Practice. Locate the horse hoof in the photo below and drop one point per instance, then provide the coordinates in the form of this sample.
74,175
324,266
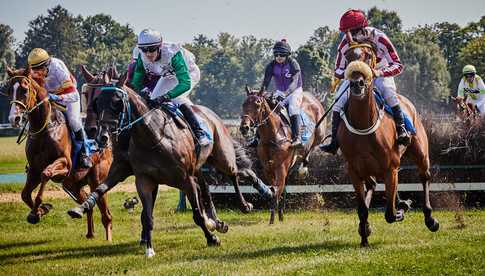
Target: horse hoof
302,172
210,224
89,236
247,208
46,207
143,242
215,241
222,227
364,243
149,252
76,212
404,205
432,224
33,218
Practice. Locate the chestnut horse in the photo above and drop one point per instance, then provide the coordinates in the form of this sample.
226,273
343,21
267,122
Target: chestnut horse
368,141
274,148
162,152
48,150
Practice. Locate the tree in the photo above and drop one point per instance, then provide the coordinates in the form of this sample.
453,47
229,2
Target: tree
7,55
59,33
474,53
386,21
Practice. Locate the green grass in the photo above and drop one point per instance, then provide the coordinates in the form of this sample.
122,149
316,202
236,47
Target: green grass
308,242
12,156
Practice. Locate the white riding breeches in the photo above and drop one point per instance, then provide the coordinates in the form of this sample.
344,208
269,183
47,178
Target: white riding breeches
166,84
479,103
385,86
73,112
293,100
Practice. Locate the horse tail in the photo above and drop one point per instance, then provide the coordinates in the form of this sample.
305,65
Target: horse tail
243,161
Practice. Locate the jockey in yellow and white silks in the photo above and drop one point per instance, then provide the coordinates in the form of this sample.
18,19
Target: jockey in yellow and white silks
472,88
177,75
354,23
61,85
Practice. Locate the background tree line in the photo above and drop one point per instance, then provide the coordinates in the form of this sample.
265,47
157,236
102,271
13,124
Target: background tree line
433,55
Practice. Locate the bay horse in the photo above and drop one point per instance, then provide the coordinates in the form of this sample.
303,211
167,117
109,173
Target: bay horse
161,152
466,112
274,147
368,141
48,151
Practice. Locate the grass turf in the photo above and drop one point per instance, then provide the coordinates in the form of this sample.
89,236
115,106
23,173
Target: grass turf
308,242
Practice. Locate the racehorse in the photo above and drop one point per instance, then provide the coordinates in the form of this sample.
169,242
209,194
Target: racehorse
162,151
466,112
48,150
368,141
274,148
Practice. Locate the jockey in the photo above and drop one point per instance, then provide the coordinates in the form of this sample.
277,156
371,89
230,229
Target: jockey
177,75
61,86
472,84
354,24
288,82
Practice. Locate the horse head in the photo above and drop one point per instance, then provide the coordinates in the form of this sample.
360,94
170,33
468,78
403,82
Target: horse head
111,107
24,97
364,52
359,75
252,113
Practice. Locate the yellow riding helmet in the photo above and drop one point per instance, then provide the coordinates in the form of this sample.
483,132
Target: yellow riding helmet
469,69
38,57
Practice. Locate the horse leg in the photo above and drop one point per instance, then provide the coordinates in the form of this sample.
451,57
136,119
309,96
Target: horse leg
422,162
391,181
280,179
210,210
246,207
32,182
362,208
118,172
265,191
106,217
192,194
370,185
145,187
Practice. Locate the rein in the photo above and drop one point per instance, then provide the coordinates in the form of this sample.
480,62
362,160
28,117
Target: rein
126,114
31,98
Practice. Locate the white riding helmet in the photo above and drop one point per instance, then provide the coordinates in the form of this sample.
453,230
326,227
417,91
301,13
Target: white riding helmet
149,37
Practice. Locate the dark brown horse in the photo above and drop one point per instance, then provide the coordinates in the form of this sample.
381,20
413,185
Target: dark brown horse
274,148
368,143
48,150
160,151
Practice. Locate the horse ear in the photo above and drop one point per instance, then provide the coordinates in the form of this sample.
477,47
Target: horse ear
106,78
86,74
122,80
248,90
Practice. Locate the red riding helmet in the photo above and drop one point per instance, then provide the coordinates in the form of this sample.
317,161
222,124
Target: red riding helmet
353,19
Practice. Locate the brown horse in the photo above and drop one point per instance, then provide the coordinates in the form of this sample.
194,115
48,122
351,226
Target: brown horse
160,151
466,112
48,151
368,143
274,148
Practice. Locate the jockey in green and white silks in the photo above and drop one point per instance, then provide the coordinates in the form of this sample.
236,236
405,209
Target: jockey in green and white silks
177,75
472,85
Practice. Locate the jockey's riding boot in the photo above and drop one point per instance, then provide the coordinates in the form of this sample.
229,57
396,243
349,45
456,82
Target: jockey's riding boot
84,160
295,131
194,125
402,134
333,146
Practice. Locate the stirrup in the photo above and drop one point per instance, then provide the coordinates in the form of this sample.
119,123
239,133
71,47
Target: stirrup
403,137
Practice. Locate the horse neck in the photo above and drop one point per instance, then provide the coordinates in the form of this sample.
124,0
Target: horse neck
39,116
144,130
362,114
269,129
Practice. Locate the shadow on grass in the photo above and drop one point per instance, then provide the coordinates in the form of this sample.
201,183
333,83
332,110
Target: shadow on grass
333,246
15,244
57,253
